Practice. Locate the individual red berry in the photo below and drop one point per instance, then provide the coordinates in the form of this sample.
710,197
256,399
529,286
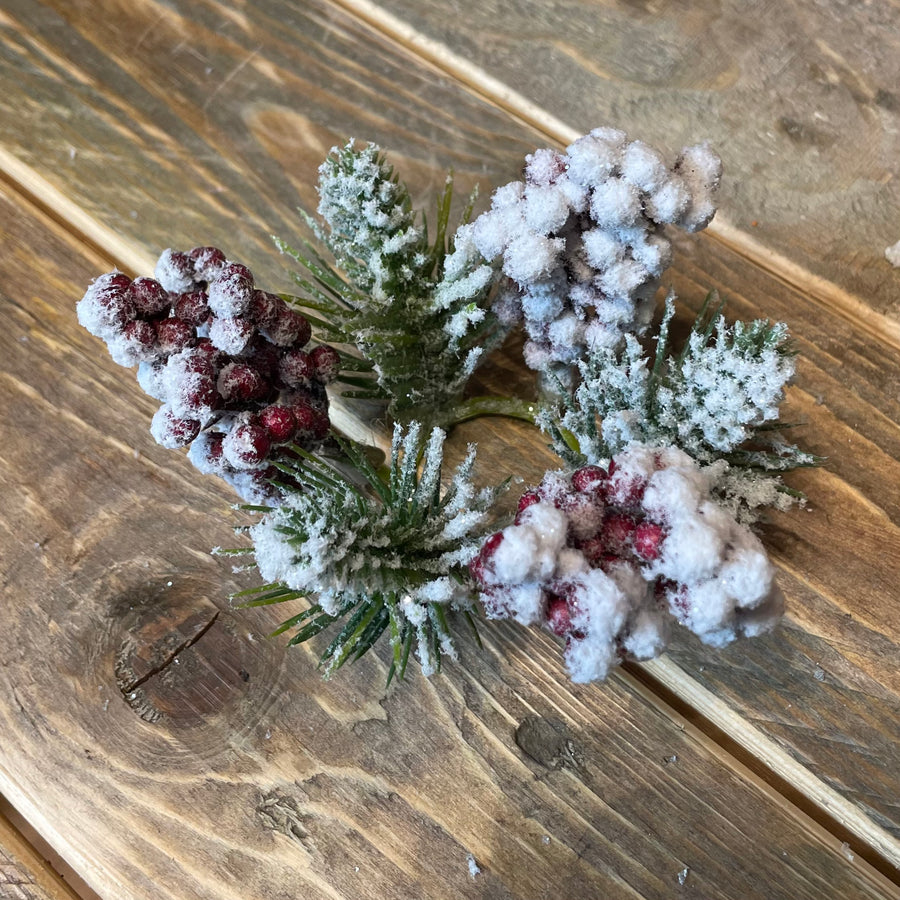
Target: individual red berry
264,357
305,417
485,555
296,368
241,382
192,307
205,348
265,309
173,431
626,490
116,282
279,423
230,291
529,498
107,306
589,479
199,397
190,381
246,446
140,335
616,533
288,329
174,335
327,362
559,619
646,540
206,453
208,261
175,271
199,360
150,298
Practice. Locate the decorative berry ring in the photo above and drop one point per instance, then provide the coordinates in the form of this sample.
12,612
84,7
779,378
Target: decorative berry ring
668,458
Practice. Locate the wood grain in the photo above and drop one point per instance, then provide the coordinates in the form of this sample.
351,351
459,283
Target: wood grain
800,99
167,749
122,117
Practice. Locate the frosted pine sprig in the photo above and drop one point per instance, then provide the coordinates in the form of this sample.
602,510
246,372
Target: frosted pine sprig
717,399
387,292
378,551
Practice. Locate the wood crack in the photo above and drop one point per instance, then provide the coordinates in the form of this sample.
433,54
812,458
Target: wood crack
129,687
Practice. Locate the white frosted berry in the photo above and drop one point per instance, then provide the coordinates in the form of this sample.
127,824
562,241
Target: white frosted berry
615,203
175,271
546,208
230,293
531,256
172,431
231,335
592,160
669,202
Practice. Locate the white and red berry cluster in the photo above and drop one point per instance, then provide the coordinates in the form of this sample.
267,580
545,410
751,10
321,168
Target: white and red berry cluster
228,362
581,240
608,557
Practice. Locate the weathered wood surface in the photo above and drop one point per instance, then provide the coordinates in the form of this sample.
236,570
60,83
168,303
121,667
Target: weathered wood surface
167,750
255,136
801,99
192,123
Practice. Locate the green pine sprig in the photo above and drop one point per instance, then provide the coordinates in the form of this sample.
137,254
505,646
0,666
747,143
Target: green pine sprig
717,398
379,551
380,294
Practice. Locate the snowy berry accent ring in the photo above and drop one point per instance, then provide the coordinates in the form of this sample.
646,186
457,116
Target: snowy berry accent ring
668,456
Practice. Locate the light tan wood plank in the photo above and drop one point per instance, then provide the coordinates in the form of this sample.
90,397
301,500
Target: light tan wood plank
254,136
233,770
800,99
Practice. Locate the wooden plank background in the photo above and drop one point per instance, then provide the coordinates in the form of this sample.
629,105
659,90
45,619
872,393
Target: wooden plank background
175,124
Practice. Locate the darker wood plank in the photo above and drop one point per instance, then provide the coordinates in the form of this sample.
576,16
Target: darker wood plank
24,874
234,771
800,99
224,156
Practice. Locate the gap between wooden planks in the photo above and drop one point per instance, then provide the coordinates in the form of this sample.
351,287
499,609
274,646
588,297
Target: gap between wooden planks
25,873
746,750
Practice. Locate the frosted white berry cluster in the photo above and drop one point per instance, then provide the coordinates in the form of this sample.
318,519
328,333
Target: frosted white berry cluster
581,240
608,557
227,361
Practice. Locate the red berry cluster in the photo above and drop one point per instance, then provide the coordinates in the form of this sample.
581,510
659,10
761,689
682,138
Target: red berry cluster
607,557
227,360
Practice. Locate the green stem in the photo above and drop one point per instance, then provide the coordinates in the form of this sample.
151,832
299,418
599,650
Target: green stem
476,407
